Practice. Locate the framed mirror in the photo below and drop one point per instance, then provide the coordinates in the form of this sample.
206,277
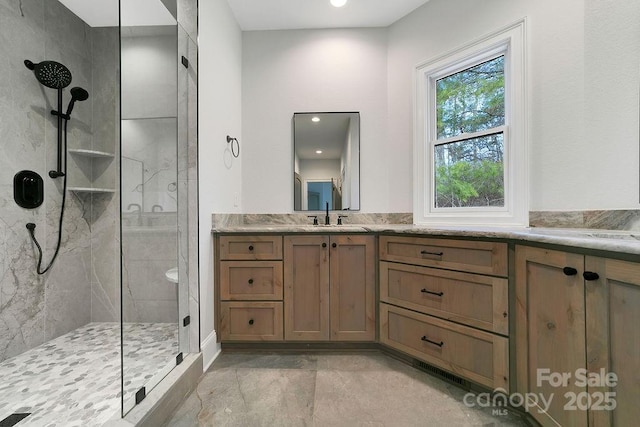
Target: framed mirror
326,161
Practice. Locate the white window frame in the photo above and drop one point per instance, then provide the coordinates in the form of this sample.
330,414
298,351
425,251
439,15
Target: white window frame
510,42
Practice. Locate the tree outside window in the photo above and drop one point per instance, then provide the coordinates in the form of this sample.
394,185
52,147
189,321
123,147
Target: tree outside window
468,153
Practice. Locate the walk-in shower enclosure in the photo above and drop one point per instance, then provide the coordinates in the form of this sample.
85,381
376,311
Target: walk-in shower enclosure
118,309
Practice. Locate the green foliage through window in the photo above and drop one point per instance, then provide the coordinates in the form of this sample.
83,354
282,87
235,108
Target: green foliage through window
470,172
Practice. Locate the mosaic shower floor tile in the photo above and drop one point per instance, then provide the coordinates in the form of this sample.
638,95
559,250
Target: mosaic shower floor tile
75,379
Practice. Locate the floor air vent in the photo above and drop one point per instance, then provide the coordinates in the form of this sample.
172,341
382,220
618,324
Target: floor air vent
454,379
13,419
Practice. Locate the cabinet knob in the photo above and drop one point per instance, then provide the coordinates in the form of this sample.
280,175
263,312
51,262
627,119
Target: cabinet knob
324,245
551,326
251,281
569,271
590,276
250,247
251,321
334,245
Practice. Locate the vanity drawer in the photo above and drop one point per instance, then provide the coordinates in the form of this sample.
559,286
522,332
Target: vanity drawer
251,321
463,255
251,280
472,299
479,356
250,247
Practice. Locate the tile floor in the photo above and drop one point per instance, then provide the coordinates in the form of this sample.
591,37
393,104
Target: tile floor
74,380
326,389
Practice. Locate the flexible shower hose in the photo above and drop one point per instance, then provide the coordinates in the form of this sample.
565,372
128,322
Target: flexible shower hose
31,226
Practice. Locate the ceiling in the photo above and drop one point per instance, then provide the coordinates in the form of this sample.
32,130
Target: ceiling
104,13
329,135
301,14
254,14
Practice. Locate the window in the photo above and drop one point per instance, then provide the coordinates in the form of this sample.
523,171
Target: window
470,146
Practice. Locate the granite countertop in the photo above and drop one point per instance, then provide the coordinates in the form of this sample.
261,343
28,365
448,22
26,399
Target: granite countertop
604,240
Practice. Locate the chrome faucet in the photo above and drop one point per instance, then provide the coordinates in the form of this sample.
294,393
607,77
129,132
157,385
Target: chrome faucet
134,205
139,211
326,218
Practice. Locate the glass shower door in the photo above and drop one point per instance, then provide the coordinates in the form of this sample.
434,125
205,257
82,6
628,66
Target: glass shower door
149,183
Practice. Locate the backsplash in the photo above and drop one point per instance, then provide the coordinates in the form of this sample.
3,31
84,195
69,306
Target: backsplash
594,219
230,220
604,219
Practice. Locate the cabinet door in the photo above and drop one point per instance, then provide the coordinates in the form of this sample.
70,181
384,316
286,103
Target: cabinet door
352,292
613,338
306,288
550,329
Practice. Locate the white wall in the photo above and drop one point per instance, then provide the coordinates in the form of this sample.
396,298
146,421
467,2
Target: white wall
584,73
320,169
219,115
284,72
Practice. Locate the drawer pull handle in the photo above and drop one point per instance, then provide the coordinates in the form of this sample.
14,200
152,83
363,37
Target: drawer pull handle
439,294
431,253
251,281
251,321
590,275
439,344
569,271
250,247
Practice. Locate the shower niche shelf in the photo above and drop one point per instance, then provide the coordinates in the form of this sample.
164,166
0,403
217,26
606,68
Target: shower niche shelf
90,157
91,153
91,190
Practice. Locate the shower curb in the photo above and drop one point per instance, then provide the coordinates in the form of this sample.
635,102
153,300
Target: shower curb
161,402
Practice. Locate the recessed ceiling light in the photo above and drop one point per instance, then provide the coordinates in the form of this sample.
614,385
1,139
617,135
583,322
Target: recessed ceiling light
315,119
338,3
318,151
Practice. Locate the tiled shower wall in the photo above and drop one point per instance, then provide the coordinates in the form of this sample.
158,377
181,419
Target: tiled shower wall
82,285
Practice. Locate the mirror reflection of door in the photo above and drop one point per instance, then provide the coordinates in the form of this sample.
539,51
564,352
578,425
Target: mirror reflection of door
326,149
318,195
297,192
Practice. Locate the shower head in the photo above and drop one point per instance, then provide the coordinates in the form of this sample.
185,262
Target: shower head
77,94
50,73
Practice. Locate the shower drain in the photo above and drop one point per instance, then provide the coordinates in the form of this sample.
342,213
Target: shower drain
13,419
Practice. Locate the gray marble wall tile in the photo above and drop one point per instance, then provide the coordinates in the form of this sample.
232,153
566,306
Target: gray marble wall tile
148,296
105,208
188,17
22,125
36,308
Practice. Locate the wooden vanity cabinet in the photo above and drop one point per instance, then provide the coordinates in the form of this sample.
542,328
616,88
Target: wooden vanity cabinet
578,312
329,288
613,336
445,302
250,288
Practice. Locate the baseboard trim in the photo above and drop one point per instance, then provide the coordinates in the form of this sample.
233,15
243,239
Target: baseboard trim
210,350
